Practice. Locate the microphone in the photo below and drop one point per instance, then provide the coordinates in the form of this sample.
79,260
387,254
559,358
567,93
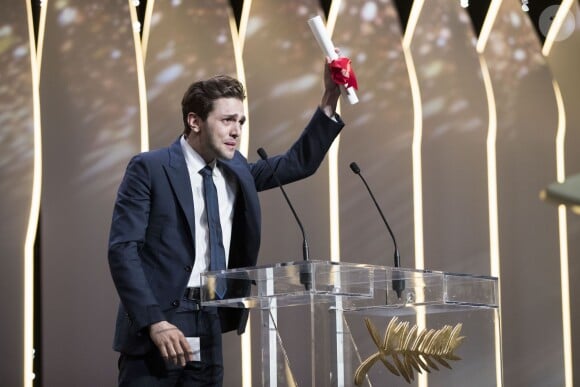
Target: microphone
398,284
305,273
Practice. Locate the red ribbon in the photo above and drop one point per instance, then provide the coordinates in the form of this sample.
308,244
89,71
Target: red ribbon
342,73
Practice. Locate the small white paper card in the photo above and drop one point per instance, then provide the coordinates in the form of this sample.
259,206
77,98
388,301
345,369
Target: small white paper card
195,347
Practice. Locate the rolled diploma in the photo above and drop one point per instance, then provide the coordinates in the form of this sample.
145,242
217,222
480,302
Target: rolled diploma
327,47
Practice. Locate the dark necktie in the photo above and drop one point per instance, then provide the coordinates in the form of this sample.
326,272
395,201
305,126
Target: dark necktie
217,253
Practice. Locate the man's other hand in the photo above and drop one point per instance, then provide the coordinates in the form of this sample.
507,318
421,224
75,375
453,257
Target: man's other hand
171,343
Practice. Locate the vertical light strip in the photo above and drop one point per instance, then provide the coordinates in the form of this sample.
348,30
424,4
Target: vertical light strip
417,136
333,196
35,57
412,22
139,63
560,134
554,30
238,39
244,24
565,283
146,28
494,256
488,23
416,155
333,16
417,183
246,349
334,217
333,191
272,316
563,231
40,42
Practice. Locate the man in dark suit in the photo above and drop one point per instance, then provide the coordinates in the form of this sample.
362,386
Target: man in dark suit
163,234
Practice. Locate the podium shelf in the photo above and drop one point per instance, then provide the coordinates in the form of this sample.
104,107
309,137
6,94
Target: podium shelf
350,287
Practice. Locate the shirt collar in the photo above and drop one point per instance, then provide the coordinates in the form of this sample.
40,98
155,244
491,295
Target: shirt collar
193,158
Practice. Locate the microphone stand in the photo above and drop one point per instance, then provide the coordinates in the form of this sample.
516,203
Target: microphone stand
398,283
305,271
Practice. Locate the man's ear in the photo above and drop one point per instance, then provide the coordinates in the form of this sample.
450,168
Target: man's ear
194,122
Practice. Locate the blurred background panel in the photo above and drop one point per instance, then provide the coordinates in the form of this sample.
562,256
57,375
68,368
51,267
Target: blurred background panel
90,120
453,148
564,62
188,41
527,120
454,166
283,67
378,138
16,176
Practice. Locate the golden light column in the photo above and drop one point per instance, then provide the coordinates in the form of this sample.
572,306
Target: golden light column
553,32
488,23
140,49
495,265
494,255
563,240
35,62
416,155
238,39
333,191
557,23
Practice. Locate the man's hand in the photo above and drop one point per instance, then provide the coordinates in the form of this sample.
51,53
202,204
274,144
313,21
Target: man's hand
331,90
171,343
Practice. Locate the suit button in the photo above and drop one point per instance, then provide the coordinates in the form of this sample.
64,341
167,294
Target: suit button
188,268
175,303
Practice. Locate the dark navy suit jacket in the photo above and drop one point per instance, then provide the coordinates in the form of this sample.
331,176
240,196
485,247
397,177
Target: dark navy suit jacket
151,244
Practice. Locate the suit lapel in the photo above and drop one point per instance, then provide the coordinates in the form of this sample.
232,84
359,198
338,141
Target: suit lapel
244,180
178,176
246,239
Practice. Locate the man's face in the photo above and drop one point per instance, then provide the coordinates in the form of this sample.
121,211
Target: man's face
220,132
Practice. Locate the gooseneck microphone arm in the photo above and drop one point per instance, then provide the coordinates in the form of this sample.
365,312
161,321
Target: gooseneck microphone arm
305,253
398,284
397,256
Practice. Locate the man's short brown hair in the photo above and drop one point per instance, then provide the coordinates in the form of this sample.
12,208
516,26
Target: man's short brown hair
200,95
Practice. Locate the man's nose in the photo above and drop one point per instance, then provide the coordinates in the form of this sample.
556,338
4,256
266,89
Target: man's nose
237,129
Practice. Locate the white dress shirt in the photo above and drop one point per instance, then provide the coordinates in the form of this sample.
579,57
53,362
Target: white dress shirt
226,187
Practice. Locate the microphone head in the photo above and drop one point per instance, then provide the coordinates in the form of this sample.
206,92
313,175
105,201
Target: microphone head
355,167
262,153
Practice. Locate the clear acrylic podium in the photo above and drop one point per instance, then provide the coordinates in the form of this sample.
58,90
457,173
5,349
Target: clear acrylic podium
312,331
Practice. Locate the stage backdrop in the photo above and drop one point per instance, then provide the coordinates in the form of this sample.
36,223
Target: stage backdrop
457,145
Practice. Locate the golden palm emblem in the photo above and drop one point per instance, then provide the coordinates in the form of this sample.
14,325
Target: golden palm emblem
410,349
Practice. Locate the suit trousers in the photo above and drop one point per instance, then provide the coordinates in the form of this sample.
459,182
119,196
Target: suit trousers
151,370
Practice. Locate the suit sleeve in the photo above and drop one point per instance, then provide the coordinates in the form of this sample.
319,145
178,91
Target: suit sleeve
304,156
127,236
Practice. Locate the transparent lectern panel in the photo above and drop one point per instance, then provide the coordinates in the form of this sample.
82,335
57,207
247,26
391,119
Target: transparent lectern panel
315,319
361,286
289,283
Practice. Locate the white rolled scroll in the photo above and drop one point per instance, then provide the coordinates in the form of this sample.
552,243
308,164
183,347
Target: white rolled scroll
319,31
